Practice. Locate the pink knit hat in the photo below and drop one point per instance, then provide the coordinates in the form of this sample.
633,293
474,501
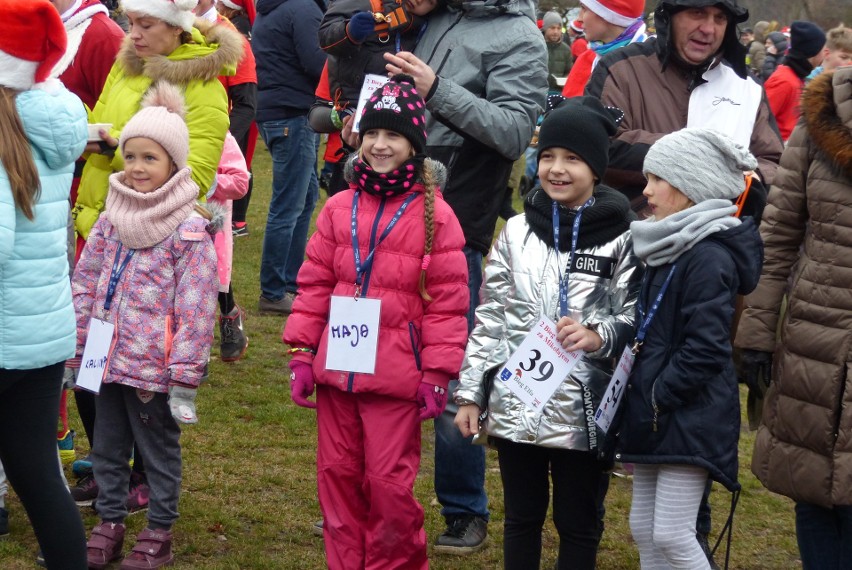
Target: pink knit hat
619,12
175,12
161,119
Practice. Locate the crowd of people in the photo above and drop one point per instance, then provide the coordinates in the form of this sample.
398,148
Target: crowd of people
686,227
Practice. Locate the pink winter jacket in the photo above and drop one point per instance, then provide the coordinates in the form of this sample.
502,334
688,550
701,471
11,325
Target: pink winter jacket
164,307
418,340
232,180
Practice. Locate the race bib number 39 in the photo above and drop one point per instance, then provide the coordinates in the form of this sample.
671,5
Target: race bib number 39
538,367
353,334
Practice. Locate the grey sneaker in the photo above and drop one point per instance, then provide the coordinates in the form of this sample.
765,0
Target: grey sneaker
465,534
316,528
283,306
234,339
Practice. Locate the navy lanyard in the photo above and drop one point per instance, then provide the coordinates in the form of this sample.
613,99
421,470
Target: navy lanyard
398,40
575,235
115,275
362,268
646,322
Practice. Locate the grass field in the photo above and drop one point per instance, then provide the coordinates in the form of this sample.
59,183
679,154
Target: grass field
249,490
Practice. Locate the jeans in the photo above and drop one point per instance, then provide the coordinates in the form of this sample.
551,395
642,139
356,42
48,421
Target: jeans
527,471
460,466
29,406
531,170
295,190
824,536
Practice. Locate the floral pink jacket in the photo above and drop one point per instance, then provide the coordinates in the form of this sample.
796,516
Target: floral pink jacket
164,307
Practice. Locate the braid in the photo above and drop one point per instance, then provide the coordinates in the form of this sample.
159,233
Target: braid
429,217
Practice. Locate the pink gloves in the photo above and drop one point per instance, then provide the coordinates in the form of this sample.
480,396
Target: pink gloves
432,400
301,383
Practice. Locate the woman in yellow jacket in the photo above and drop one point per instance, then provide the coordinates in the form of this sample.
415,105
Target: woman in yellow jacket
167,43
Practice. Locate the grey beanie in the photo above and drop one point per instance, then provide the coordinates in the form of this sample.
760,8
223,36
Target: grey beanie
702,163
551,19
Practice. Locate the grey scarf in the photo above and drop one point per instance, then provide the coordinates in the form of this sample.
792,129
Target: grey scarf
659,243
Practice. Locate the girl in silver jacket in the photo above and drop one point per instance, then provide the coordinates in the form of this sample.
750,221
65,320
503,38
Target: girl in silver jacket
528,276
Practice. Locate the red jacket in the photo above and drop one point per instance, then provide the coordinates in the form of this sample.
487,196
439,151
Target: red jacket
93,42
783,90
418,340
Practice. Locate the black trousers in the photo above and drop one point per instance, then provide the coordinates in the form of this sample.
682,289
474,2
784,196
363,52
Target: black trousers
29,406
526,471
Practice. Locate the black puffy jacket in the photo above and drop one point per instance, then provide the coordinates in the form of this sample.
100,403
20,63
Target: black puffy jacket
684,368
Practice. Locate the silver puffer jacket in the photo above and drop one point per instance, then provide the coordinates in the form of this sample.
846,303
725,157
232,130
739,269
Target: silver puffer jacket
521,283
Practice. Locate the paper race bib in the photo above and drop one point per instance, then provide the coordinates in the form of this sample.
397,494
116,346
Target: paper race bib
538,367
95,361
371,83
615,390
353,334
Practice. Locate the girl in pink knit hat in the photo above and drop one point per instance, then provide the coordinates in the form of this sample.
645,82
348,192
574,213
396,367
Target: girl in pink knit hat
147,279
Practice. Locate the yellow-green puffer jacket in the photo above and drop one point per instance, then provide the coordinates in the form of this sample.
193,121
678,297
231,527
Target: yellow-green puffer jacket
195,67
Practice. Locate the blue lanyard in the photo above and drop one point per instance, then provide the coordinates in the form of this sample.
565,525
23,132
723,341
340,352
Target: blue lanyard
115,275
646,322
398,40
575,235
362,268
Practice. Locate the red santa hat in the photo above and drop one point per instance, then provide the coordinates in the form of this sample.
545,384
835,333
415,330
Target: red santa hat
177,13
577,26
246,5
618,12
32,41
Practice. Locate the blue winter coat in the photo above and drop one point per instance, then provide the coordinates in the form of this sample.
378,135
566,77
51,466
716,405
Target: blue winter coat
285,43
37,326
684,366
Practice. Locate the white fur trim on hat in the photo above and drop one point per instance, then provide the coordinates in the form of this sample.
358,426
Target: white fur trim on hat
231,5
618,12
17,73
175,12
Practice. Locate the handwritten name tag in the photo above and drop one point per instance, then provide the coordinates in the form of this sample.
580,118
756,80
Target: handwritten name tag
615,390
538,367
372,82
353,334
95,361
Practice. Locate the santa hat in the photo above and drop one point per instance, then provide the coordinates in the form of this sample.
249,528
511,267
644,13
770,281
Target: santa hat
175,12
32,41
246,5
577,26
618,12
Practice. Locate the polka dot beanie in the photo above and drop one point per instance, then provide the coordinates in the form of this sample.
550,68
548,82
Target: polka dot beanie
396,106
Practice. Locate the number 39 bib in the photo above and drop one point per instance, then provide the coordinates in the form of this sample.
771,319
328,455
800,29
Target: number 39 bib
538,367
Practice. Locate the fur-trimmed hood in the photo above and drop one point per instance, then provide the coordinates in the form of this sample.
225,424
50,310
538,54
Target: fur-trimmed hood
439,171
215,50
827,112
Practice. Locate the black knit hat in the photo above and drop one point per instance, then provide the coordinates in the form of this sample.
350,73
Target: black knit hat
806,39
583,126
396,106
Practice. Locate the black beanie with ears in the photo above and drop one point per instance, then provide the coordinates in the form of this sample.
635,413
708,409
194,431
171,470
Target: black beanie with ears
584,126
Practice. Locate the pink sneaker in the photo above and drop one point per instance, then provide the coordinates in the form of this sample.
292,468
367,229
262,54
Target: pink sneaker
137,496
104,545
153,550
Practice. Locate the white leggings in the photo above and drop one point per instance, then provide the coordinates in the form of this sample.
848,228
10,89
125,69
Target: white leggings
662,517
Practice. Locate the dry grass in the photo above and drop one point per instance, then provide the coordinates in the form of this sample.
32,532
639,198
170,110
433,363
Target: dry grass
249,492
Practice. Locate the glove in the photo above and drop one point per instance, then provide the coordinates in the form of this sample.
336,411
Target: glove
301,383
182,404
431,400
361,26
756,370
69,378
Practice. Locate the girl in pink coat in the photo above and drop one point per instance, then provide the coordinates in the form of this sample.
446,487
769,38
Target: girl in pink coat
232,183
379,326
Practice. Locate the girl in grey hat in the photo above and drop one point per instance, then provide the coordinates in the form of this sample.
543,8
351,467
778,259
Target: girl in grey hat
681,417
